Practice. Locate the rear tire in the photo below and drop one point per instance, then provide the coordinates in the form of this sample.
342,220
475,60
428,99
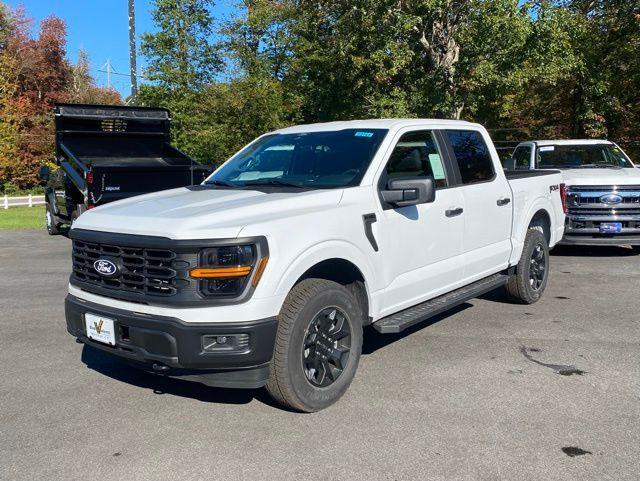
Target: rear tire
529,281
53,227
317,347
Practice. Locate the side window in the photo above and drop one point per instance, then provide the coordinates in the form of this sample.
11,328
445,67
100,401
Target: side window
416,155
472,156
522,156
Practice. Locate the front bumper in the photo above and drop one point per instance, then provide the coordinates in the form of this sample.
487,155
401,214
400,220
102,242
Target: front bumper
584,229
600,240
171,347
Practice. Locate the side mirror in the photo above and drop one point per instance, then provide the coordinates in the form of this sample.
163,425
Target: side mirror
410,191
509,163
44,173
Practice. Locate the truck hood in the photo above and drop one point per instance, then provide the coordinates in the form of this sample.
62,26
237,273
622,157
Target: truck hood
202,213
601,176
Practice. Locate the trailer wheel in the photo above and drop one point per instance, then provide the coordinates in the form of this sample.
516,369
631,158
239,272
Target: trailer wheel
529,281
317,347
53,226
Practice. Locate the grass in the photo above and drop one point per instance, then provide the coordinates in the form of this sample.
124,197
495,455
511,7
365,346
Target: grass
22,218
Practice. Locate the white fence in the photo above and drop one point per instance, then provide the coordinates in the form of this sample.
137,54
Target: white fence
28,200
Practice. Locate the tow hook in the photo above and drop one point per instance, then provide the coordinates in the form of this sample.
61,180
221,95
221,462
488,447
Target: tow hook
160,368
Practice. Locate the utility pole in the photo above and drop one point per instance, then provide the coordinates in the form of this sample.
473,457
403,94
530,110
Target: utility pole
132,51
107,69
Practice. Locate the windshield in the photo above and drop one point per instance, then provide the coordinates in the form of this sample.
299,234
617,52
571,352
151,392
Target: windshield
306,160
581,156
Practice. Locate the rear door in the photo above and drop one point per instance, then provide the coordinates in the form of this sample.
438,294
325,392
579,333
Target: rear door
488,203
422,244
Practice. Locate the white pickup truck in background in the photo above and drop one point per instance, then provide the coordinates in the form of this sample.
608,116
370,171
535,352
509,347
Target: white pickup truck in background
266,273
603,188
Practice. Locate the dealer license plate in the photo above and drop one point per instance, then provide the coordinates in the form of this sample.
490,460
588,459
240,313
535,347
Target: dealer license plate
610,227
101,329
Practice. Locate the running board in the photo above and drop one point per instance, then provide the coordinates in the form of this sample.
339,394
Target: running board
399,321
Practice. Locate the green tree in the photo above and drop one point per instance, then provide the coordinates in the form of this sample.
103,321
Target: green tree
180,54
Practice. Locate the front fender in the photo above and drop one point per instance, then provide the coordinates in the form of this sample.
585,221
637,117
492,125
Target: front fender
332,249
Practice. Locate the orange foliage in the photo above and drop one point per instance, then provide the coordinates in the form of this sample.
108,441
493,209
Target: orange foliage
34,75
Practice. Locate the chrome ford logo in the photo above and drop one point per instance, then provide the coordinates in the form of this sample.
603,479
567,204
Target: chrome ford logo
105,267
611,199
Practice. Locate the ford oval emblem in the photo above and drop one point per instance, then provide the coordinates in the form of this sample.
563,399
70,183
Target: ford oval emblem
611,199
105,267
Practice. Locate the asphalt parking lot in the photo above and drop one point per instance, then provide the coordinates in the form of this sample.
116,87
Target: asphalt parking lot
490,391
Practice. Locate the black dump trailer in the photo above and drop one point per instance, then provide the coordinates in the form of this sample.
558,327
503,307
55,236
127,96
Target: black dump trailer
108,153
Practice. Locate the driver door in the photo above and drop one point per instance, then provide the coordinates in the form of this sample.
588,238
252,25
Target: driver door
421,244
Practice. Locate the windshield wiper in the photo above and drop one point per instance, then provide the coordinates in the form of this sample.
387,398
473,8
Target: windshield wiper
222,183
599,166
277,182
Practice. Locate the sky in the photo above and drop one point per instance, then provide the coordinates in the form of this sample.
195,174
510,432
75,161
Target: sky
101,28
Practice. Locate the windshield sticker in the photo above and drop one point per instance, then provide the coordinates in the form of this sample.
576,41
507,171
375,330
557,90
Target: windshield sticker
436,167
547,148
368,135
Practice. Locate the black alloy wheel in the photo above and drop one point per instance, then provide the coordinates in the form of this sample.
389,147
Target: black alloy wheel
537,267
327,346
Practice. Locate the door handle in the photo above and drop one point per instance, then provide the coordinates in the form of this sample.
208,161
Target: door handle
453,212
503,201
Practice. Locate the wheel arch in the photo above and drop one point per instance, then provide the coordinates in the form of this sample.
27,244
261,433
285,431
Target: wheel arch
346,266
539,215
542,221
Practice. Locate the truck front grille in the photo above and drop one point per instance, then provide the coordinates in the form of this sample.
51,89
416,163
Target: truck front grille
139,270
587,210
590,197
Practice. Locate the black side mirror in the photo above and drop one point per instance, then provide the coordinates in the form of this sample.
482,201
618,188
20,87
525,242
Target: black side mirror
509,163
44,173
410,191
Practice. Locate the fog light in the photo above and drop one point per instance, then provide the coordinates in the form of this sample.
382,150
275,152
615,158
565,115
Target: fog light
225,342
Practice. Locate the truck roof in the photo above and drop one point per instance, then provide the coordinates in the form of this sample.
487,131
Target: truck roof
372,124
571,142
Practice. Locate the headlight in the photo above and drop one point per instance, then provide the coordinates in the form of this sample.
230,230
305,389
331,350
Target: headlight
225,271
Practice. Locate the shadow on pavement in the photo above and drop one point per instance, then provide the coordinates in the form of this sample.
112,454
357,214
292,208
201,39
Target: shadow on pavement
121,371
374,341
593,251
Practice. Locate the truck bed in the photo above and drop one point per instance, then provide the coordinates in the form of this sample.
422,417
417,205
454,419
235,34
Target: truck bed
521,174
531,190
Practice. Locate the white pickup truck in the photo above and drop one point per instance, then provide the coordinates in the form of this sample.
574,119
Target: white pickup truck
266,273
603,188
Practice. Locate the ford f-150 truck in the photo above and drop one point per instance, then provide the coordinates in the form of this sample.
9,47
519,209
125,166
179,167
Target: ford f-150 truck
603,188
266,273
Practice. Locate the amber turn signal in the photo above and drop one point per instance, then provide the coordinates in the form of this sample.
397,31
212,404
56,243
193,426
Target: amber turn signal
261,265
220,272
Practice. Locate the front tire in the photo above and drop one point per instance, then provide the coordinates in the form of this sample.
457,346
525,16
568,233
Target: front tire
53,227
529,281
318,346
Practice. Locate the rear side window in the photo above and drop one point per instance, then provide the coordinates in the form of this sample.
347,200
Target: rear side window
472,156
522,156
416,155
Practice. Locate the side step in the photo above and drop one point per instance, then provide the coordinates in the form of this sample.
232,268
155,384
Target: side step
399,321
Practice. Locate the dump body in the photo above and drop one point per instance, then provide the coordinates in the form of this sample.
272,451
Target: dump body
108,153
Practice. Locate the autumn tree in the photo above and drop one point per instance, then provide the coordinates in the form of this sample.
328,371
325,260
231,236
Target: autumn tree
34,75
